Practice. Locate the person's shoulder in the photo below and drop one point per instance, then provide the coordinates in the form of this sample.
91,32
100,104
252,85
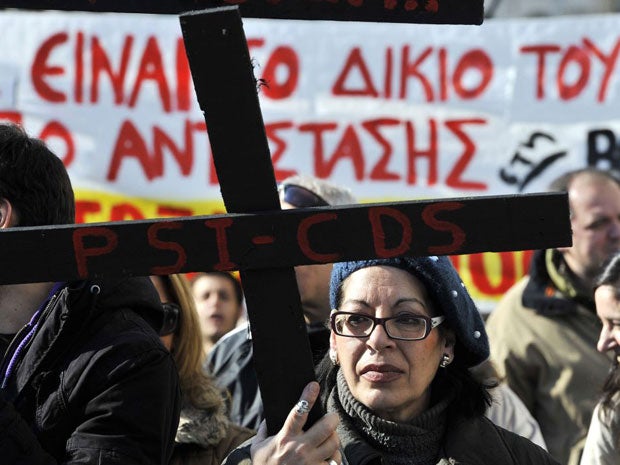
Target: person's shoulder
479,440
229,345
133,300
509,411
236,435
513,295
600,444
234,337
118,331
232,352
241,455
607,420
523,449
510,305
122,345
124,327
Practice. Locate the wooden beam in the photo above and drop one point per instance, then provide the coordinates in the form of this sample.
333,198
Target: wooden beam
396,11
280,239
227,94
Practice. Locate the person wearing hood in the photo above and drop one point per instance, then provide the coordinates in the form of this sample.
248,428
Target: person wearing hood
85,378
396,382
205,434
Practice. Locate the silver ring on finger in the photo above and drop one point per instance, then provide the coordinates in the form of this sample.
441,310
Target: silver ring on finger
302,407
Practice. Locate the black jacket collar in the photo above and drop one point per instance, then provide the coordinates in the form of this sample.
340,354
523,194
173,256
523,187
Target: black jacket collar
543,295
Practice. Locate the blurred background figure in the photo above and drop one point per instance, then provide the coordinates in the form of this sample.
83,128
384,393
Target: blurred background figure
205,434
603,441
543,331
231,360
313,280
219,301
507,409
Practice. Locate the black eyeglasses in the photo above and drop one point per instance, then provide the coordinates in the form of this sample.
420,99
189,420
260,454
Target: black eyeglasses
404,326
170,318
300,197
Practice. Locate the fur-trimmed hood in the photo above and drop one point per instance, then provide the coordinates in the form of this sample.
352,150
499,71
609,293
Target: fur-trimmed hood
205,428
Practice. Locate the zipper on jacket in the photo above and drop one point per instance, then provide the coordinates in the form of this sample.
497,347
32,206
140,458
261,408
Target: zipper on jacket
24,336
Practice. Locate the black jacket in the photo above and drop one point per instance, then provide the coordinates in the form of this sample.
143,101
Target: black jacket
94,384
475,441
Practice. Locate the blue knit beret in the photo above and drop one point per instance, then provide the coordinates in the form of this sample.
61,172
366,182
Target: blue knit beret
445,289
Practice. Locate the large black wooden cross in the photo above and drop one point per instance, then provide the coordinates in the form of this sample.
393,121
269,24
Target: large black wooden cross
401,11
257,238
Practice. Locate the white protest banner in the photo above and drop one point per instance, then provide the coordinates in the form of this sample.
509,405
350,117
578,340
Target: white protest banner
393,111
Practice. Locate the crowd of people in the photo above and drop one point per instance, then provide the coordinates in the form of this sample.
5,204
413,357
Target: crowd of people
160,370
543,332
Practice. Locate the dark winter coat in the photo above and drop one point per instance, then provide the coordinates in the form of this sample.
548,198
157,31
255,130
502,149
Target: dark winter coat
474,441
94,385
467,442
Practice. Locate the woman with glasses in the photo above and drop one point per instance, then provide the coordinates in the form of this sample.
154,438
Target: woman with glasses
396,382
205,435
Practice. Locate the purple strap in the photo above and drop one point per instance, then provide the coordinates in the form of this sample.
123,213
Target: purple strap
33,324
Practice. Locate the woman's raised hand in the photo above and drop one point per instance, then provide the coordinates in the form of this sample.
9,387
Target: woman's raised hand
294,446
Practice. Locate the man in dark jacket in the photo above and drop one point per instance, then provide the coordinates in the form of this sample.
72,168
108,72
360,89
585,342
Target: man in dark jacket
84,378
231,359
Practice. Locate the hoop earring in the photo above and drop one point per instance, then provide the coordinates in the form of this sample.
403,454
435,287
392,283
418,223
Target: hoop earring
445,361
333,356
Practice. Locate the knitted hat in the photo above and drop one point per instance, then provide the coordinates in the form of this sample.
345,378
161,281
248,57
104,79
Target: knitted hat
445,289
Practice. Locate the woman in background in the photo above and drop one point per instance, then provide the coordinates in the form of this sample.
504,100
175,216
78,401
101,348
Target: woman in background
603,441
205,434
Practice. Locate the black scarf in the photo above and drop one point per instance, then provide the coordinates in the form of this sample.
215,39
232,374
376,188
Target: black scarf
417,442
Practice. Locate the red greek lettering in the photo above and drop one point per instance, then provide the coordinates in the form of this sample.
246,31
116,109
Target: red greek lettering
41,69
